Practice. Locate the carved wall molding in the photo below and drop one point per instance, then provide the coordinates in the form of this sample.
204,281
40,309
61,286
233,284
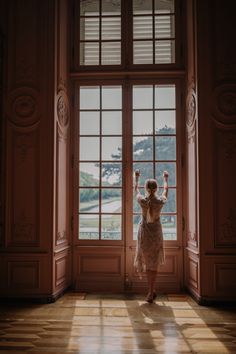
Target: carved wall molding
191,109
192,238
61,236
63,111
224,105
23,106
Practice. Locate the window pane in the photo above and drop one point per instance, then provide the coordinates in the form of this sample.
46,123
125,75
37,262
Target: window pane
111,174
169,227
111,97
111,227
89,8
89,28
142,122
140,7
146,171
142,148
111,148
111,7
142,27
143,52
136,220
165,96
111,28
165,122
165,147
164,52
88,227
111,200
164,6
89,174
164,27
142,97
89,149
89,123
89,53
89,98
170,205
166,166
111,53
89,200
112,123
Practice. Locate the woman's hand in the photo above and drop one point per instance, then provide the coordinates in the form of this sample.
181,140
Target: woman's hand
165,175
137,173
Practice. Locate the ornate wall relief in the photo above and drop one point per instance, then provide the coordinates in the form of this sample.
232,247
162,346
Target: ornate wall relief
63,112
191,107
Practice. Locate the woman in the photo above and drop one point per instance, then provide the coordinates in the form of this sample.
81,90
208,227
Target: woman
149,250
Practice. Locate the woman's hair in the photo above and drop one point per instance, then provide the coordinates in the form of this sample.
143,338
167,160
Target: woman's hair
151,186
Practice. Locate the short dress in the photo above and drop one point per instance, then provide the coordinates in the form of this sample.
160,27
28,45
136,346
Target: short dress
149,248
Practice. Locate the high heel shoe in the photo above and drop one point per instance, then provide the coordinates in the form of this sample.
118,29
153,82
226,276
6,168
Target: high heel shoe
149,298
154,295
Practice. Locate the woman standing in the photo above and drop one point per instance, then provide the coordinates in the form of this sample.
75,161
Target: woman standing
149,250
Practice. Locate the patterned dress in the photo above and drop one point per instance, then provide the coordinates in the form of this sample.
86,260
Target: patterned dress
149,248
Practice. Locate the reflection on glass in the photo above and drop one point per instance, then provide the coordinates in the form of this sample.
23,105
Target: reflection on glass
166,166
89,174
170,205
88,8
111,7
136,220
111,97
164,6
169,227
111,200
165,122
111,174
165,96
146,171
140,7
89,97
112,123
142,148
165,147
164,27
88,200
89,53
143,52
142,122
88,227
111,227
111,28
89,28
164,52
142,97
142,27
89,123
111,53
111,148
89,149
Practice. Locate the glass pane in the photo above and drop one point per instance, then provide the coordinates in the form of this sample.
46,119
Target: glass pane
88,227
111,174
89,174
165,147
89,149
142,97
89,123
141,7
111,97
111,53
111,148
169,227
89,97
111,200
166,166
142,148
111,227
89,8
112,123
136,220
143,52
165,96
164,52
111,7
111,28
170,205
89,200
89,53
89,28
165,122
164,6
142,122
146,171
142,27
164,27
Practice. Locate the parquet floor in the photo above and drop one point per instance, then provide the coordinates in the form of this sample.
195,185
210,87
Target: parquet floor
117,324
